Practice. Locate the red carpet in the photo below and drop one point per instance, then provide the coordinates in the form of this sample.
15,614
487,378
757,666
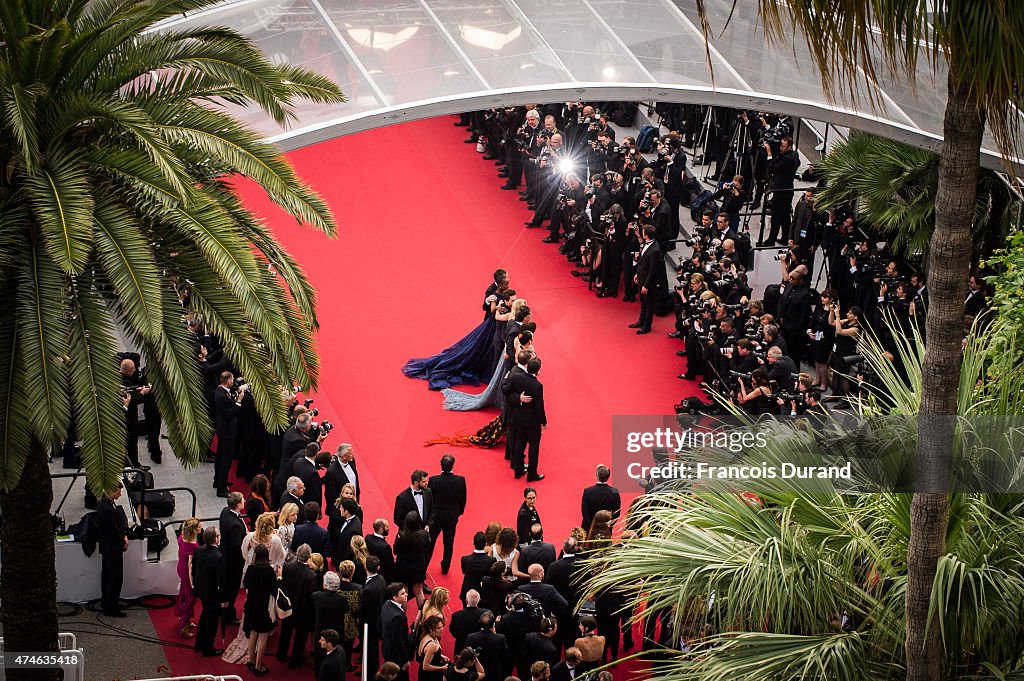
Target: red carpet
423,225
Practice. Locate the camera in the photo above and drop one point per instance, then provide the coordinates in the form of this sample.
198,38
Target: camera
780,255
307,402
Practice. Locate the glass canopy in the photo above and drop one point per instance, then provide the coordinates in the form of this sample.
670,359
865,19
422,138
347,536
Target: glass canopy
399,60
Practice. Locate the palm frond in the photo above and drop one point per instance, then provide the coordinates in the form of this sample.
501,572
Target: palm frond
15,432
60,198
19,108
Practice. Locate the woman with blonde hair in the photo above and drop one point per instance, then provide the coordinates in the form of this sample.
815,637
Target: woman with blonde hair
348,491
184,607
286,520
435,605
360,553
318,565
265,535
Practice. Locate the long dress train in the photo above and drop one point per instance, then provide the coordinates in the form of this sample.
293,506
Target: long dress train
469,361
456,400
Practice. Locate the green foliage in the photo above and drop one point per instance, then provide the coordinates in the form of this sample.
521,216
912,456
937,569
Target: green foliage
785,569
1007,299
119,163
894,187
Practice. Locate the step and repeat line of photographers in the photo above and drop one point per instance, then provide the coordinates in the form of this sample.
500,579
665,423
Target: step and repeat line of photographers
597,193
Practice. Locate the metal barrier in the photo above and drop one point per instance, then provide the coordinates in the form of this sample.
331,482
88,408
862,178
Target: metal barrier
66,643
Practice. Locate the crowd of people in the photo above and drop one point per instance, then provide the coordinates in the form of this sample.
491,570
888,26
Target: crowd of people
342,593
617,214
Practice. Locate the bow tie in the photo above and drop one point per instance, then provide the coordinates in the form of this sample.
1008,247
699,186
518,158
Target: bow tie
418,493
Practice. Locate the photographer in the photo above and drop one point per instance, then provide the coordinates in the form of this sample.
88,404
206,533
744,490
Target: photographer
807,227
743,360
613,221
548,177
569,201
770,332
847,334
730,197
820,337
782,167
671,168
660,216
135,392
794,315
758,400
227,402
781,368
630,256
466,667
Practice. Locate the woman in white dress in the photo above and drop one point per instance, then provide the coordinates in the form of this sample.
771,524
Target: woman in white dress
286,524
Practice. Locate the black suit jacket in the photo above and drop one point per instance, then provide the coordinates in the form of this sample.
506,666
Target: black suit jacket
318,538
599,497
532,414
232,532
373,601
380,548
289,498
647,268
475,567
560,574
539,552
512,329
560,672
515,626
335,479
548,597
341,539
493,651
783,167
112,526
975,304
225,414
404,503
661,218
449,492
286,471
795,309
394,629
208,576
299,582
464,622
333,666
329,610
310,476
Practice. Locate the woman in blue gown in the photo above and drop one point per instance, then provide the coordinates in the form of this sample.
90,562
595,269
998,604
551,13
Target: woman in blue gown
456,400
471,360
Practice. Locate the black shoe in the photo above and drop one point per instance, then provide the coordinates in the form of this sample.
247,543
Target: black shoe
674,334
535,478
222,493
680,353
548,239
140,466
576,273
444,570
762,244
641,332
523,197
629,299
156,458
502,174
115,613
636,325
688,376
213,653
520,473
470,140
602,294
508,187
460,124
585,277
489,157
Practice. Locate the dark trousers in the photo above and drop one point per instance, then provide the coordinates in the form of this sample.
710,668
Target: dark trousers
371,652
446,526
206,627
523,437
300,630
232,580
111,579
646,309
782,214
796,343
225,457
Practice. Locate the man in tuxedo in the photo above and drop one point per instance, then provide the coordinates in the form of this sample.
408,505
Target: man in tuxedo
464,622
794,315
560,575
226,404
515,625
372,602
295,439
341,471
512,329
344,525
299,582
525,418
294,492
377,545
475,567
975,302
417,498
569,668
449,491
537,551
782,167
521,360
210,584
661,218
307,469
112,542
286,472
232,532
310,532
600,497
553,603
329,608
650,278
394,628
492,646
333,666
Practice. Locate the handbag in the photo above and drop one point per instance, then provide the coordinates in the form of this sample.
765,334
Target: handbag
282,605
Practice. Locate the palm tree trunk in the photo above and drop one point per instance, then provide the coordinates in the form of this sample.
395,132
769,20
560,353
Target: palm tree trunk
949,260
28,576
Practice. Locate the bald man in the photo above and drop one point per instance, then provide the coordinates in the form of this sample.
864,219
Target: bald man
553,603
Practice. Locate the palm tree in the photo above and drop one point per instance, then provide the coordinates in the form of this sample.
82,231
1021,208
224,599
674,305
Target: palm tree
119,159
894,186
809,582
979,44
